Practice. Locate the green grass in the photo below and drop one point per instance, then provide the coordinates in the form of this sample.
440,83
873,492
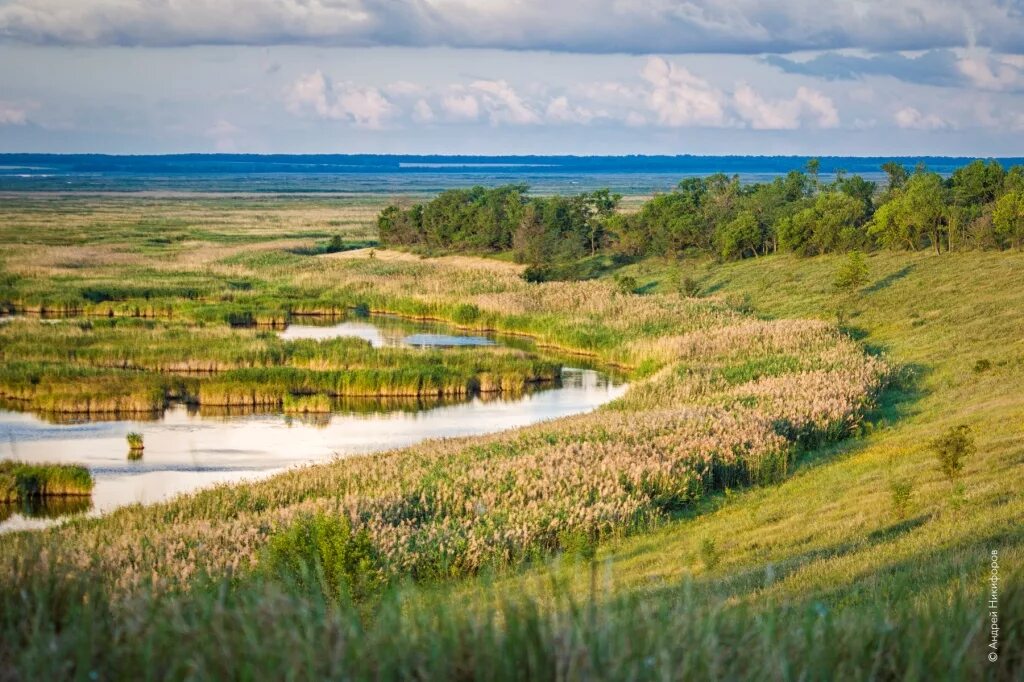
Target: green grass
20,481
818,573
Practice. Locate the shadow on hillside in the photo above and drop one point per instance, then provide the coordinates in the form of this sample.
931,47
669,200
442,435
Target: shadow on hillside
897,574
890,279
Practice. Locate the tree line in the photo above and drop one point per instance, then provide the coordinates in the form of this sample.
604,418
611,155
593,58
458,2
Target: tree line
980,206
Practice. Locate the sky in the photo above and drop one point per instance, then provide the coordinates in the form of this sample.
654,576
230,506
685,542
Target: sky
816,77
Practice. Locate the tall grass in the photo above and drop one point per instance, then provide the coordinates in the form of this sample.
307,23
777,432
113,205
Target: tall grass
133,366
20,481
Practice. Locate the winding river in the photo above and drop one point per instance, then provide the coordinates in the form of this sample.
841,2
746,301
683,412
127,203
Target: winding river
188,449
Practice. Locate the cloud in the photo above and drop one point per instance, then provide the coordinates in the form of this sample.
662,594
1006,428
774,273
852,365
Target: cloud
785,114
945,68
503,103
679,98
461,107
364,107
12,114
987,72
422,112
559,110
590,26
935,67
909,117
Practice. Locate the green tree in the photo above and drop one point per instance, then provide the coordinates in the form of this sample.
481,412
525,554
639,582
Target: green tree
832,223
915,216
1008,219
740,236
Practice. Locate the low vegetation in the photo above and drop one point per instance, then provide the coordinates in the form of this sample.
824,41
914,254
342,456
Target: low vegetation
131,366
767,486
20,482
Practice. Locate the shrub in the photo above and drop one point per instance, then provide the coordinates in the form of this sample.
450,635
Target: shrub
852,273
362,309
982,365
320,551
626,283
535,274
952,448
689,287
901,490
709,553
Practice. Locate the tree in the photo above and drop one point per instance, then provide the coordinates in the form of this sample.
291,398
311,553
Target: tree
813,168
914,216
1008,219
740,235
831,224
600,205
977,183
896,174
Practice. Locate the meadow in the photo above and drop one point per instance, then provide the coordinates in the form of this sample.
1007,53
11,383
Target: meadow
740,498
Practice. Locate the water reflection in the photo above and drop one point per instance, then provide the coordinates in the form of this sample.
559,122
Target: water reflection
187,449
386,331
40,512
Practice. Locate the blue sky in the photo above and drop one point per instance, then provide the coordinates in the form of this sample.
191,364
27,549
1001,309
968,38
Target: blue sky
513,76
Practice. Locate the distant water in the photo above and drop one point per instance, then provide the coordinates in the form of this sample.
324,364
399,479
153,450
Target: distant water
389,174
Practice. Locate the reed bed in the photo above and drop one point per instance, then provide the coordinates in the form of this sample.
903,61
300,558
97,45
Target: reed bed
20,482
714,417
138,366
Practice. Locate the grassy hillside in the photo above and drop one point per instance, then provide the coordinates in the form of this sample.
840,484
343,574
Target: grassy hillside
862,562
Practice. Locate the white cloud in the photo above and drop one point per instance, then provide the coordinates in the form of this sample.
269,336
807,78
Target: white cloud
364,107
909,117
503,103
422,112
991,73
679,98
461,107
559,110
785,114
11,114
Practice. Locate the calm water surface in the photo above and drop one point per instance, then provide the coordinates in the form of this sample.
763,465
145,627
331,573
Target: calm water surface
187,450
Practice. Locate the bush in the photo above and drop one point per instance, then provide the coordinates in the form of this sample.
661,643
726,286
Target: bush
361,310
853,273
952,448
709,553
335,245
535,274
689,287
626,283
901,490
322,552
